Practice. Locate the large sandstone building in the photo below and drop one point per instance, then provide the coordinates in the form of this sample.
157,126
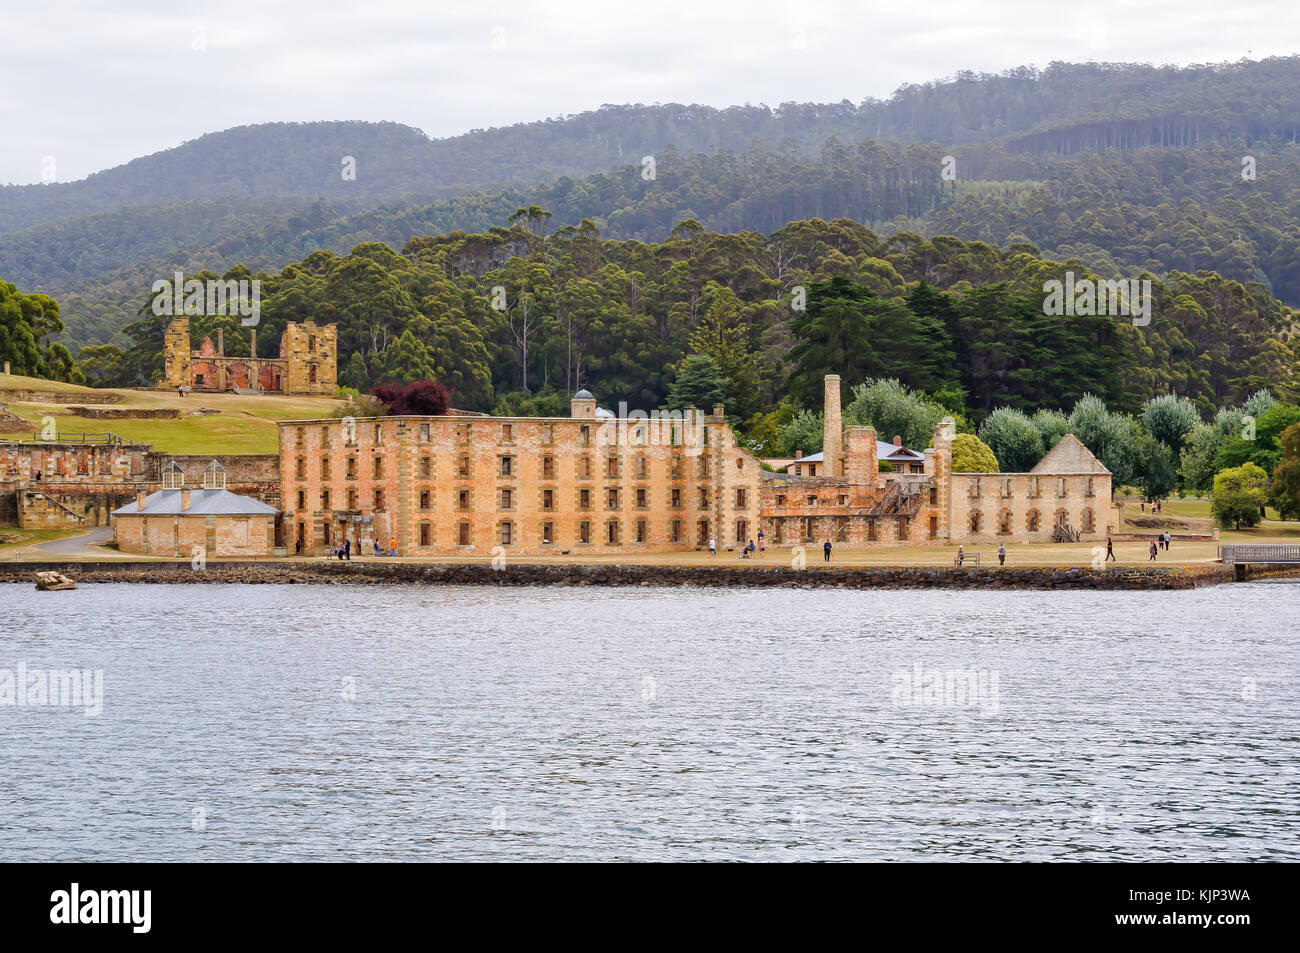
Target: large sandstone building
579,484
593,483
307,362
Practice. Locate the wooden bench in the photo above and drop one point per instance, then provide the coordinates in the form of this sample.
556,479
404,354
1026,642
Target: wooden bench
966,558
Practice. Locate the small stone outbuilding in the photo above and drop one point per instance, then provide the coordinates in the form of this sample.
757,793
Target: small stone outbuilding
184,523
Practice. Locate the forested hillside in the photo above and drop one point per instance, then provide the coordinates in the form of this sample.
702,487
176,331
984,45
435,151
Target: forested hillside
1125,167
620,317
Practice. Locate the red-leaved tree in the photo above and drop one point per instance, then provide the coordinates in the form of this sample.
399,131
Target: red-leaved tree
418,397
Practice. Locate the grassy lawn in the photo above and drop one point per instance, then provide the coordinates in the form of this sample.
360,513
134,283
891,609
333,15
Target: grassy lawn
243,424
29,536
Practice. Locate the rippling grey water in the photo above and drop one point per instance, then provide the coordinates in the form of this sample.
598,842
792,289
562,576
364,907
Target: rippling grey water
338,723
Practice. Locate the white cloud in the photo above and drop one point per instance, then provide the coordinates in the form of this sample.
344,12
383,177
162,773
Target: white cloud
96,86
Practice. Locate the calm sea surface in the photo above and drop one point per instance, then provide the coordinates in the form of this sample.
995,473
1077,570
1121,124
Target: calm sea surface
307,723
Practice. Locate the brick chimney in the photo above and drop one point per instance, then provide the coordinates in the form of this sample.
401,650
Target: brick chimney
252,342
833,431
798,454
185,499
719,410
898,441
140,495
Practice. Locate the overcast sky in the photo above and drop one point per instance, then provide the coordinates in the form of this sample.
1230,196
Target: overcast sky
96,84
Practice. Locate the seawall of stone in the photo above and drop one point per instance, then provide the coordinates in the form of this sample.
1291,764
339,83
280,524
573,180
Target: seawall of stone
522,574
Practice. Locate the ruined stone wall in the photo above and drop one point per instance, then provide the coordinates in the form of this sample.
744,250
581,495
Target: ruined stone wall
126,413
310,352
176,354
469,485
860,464
809,511
93,502
39,510
27,396
72,462
1024,507
240,467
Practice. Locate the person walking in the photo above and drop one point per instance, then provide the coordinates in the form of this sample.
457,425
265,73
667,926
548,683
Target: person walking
358,546
961,555
1110,550
760,542
376,542
1169,538
392,546
347,548
1151,557
1002,554
826,551
713,546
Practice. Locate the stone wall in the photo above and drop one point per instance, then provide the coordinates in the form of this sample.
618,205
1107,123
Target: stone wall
71,462
126,413
310,352
94,479
243,468
395,572
1024,507
38,509
307,363
181,536
27,396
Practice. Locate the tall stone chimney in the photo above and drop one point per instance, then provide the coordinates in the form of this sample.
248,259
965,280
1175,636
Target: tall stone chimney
252,344
185,499
833,434
140,495
221,343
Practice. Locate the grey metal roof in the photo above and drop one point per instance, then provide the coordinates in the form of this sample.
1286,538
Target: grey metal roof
885,449
811,458
583,394
202,503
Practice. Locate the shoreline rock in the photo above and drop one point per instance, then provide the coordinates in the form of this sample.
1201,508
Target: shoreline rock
50,581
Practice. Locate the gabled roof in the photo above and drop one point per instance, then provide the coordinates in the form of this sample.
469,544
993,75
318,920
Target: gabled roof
202,503
811,458
890,451
1069,456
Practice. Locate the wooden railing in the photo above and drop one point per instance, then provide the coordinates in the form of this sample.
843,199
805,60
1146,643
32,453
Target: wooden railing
102,436
1259,553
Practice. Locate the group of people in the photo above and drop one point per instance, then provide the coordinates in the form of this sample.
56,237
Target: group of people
183,390
344,549
747,550
1161,542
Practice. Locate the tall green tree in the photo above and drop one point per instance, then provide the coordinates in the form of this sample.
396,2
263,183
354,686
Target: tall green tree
1239,496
